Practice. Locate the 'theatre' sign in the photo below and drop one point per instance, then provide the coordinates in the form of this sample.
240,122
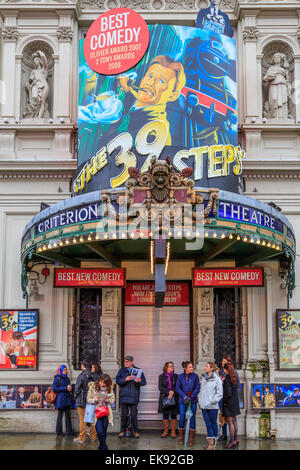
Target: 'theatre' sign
228,277
64,277
116,41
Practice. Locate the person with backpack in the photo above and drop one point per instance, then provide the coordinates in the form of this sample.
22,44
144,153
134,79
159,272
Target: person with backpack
80,396
63,402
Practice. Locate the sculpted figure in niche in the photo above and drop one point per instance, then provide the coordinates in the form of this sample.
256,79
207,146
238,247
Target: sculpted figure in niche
205,334
108,342
37,88
277,77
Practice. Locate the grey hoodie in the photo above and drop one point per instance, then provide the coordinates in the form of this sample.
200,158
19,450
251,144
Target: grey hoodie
211,391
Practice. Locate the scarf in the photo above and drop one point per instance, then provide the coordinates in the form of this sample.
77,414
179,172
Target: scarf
169,375
60,370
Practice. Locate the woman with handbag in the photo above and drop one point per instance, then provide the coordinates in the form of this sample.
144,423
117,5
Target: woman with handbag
101,394
64,402
168,398
187,387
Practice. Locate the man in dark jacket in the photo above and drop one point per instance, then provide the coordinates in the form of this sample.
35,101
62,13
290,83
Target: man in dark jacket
80,395
129,395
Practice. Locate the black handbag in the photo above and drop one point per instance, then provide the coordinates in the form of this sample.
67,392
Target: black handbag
167,402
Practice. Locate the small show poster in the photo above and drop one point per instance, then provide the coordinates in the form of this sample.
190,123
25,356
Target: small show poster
288,322
263,396
24,397
18,339
268,396
287,395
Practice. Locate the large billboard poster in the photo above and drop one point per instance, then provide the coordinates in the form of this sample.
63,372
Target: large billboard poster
180,100
18,339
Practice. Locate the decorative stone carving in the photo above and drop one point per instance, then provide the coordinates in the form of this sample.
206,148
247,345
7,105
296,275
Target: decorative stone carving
37,88
205,341
10,33
206,301
279,88
108,337
154,5
250,33
109,300
64,33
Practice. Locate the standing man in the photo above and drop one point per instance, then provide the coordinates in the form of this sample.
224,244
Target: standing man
129,394
80,396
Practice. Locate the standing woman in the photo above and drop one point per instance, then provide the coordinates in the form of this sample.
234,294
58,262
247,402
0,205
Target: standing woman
211,392
96,371
64,402
101,393
167,387
231,406
187,387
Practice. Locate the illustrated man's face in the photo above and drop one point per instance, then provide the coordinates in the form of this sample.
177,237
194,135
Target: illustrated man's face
17,341
157,86
257,393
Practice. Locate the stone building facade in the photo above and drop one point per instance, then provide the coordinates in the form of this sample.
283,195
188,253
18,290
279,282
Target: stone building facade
38,158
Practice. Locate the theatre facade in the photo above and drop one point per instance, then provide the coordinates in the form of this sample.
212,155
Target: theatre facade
150,199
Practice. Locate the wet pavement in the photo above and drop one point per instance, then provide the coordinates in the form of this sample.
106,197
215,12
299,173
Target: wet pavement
147,441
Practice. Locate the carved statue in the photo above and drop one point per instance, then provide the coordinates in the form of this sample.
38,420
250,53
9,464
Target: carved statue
205,301
205,343
109,301
108,342
37,88
277,77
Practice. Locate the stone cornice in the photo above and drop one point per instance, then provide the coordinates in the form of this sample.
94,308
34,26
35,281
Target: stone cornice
26,170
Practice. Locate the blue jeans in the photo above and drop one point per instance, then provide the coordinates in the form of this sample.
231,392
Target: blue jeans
211,421
182,410
101,429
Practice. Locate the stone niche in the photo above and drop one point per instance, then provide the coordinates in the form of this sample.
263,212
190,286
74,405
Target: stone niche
37,76
277,80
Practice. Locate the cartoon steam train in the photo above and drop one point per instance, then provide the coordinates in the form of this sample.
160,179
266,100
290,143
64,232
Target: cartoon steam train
209,104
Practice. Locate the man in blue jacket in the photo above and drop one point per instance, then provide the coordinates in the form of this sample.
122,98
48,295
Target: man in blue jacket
129,394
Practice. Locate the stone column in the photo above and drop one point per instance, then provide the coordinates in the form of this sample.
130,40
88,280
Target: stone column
250,34
270,352
10,35
204,348
64,34
205,321
110,331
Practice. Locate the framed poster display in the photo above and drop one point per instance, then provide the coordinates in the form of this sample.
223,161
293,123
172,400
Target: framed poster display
18,339
263,396
288,330
279,396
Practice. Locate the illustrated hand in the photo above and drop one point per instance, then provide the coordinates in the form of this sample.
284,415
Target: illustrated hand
123,83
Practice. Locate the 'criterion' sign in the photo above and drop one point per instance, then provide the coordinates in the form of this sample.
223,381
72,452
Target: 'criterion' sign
116,41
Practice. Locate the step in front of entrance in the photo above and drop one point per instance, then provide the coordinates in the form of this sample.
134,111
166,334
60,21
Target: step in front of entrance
149,424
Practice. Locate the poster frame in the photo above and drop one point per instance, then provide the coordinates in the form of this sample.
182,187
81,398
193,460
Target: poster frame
36,368
278,311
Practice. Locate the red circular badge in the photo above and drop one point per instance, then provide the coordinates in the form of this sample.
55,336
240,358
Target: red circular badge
116,41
